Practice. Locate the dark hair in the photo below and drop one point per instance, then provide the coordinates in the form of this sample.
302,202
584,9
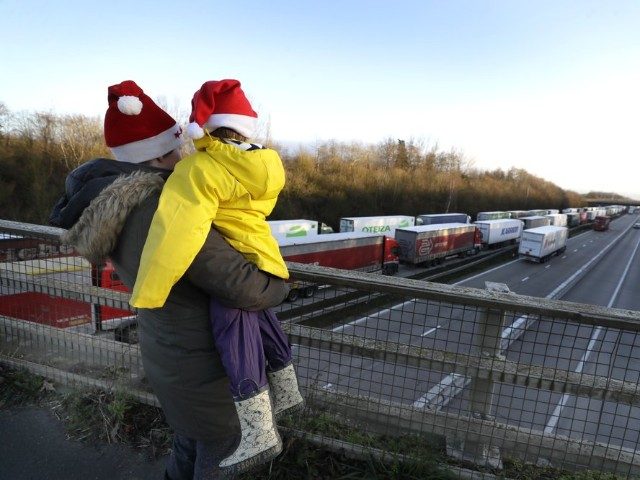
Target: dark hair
224,132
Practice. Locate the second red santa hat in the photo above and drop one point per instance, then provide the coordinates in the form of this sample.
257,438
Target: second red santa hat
221,103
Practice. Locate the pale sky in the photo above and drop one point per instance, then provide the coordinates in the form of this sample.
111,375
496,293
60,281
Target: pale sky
548,86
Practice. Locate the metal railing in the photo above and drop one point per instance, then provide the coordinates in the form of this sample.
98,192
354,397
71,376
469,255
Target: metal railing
487,376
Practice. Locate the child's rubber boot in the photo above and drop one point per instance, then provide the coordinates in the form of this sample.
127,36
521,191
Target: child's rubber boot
284,390
260,442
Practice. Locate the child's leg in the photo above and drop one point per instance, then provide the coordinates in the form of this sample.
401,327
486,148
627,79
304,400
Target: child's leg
274,341
237,337
281,375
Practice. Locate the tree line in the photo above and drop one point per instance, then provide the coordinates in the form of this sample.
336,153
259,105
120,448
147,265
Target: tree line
332,180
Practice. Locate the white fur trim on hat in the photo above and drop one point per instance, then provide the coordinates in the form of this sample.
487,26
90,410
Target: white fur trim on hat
243,124
149,148
194,131
129,105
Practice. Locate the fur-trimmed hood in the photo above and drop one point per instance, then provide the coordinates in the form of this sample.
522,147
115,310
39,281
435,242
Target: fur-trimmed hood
96,232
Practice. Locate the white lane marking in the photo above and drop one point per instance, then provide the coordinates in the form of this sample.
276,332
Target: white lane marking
350,324
488,271
555,416
547,267
377,314
584,245
431,330
442,392
514,331
575,250
524,279
564,257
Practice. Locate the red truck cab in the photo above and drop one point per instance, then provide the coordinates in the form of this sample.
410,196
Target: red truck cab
601,223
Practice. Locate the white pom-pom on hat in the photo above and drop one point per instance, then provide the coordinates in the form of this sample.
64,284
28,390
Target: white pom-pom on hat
194,131
129,105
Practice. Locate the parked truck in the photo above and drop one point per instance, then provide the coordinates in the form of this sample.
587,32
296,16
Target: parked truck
15,247
517,213
347,250
557,219
298,228
384,224
573,219
539,244
500,232
492,216
535,221
583,217
424,245
537,213
435,218
601,223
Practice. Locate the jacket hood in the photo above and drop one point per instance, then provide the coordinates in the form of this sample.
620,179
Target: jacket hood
96,232
258,169
85,182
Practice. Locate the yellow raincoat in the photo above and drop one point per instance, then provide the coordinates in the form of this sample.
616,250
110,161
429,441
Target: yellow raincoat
222,184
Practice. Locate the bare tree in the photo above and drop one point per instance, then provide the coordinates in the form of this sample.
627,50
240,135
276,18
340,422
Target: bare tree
80,139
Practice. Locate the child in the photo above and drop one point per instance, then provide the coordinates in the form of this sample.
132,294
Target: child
234,185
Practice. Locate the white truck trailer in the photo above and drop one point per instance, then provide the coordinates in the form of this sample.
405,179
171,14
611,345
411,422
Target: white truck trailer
557,219
539,244
498,232
492,215
517,213
385,225
299,228
437,218
573,219
535,221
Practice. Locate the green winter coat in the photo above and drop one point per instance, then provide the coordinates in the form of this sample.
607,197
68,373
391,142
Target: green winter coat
178,353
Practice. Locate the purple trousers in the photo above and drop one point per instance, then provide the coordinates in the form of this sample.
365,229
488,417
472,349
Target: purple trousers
249,344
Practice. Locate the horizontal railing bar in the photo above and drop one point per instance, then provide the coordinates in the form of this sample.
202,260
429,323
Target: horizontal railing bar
495,368
67,378
106,349
71,291
559,449
31,230
559,309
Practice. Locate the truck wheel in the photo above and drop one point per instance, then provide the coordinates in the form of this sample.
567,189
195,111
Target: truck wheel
310,291
389,269
294,294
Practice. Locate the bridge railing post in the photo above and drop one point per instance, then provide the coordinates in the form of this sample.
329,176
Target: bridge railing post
487,340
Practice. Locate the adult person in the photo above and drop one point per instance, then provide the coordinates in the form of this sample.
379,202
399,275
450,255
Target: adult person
108,207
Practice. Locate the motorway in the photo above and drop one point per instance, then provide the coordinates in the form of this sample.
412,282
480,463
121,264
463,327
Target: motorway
600,268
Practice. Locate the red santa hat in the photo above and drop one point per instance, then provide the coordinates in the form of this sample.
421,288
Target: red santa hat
221,103
135,128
